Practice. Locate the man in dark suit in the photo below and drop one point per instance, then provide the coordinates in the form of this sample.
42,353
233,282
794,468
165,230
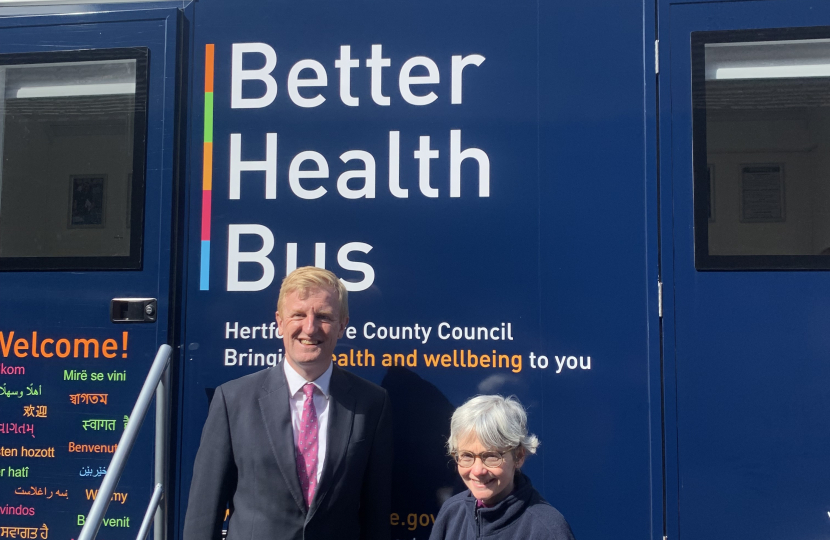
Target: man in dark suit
301,450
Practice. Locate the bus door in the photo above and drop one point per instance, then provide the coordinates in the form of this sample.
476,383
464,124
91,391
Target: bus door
86,190
745,259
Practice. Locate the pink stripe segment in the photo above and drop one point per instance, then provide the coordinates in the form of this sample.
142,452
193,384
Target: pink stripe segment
206,214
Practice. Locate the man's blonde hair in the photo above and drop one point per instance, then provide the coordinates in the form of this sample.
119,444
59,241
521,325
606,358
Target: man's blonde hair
309,277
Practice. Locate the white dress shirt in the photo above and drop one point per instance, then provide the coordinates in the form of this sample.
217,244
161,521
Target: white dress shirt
296,402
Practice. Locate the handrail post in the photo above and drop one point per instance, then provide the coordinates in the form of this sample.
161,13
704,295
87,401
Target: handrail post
162,419
125,445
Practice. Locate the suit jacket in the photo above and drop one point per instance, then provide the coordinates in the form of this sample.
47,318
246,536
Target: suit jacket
246,458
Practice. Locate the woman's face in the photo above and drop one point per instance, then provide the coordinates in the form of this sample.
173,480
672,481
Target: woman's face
489,485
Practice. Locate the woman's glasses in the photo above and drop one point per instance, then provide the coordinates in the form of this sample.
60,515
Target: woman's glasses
490,459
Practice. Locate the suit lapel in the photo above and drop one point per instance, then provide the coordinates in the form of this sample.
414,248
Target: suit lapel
276,415
341,417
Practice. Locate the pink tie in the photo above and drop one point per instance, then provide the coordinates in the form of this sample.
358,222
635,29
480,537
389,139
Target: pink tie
307,446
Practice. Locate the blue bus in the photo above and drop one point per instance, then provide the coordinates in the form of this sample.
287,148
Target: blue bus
620,210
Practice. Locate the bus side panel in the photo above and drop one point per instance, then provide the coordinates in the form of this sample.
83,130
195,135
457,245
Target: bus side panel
484,200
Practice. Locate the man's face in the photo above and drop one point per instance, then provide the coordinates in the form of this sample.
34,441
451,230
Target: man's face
310,324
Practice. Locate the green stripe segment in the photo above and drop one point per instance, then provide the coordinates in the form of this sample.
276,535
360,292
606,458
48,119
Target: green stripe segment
209,117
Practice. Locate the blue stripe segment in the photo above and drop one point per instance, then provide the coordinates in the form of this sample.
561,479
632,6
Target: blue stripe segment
204,271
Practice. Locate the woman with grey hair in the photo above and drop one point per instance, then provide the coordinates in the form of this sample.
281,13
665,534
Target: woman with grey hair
489,442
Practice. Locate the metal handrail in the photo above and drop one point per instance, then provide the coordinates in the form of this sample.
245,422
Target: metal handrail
148,515
157,382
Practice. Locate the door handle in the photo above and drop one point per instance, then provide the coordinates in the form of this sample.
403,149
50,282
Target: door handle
133,310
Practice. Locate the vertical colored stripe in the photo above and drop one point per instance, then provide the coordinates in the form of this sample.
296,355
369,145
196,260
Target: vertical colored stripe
206,215
207,171
204,277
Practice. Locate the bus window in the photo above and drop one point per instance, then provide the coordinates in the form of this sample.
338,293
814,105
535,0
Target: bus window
762,149
72,169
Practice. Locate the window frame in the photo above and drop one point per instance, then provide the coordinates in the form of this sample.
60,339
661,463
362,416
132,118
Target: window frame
701,186
134,260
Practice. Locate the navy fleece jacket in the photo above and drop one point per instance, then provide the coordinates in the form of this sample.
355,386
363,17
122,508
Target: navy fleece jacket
523,514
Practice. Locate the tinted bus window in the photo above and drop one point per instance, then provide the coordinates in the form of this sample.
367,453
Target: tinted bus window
71,177
762,149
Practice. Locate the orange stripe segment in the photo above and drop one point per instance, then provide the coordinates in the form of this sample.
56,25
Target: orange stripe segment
207,167
209,67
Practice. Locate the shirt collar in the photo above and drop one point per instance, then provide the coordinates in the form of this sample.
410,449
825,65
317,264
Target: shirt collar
296,381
